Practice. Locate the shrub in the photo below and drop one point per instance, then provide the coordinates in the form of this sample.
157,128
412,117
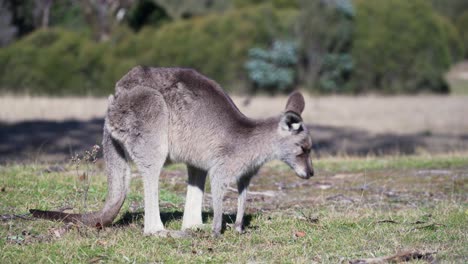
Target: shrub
326,29
462,25
216,45
273,69
59,62
453,37
400,46
335,73
276,3
67,14
452,9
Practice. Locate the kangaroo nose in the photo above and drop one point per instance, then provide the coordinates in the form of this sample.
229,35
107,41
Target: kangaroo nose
311,173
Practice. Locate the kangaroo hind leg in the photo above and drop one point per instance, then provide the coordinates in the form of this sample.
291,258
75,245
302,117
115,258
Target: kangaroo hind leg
141,117
242,186
194,200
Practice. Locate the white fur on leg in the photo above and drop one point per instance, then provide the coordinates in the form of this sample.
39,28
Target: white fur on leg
193,208
152,219
239,225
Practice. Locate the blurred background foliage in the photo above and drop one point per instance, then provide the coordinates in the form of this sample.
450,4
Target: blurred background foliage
72,47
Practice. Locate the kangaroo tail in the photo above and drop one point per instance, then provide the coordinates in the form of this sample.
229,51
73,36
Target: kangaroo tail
118,180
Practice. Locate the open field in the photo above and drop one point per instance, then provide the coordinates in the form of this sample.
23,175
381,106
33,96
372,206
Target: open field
375,114
354,209
52,129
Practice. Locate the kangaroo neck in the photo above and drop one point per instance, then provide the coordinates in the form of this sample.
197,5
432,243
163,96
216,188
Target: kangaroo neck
258,145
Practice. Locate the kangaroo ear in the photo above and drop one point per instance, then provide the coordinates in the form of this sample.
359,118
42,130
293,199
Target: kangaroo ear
292,122
295,103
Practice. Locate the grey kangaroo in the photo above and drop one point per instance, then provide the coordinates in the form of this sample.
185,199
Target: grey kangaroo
177,114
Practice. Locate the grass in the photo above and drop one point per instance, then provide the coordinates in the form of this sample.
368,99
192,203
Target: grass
352,164
457,78
375,207
459,86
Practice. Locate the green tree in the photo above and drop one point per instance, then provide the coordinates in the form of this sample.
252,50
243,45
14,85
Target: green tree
325,31
462,25
273,70
451,9
400,46
7,29
178,9
216,44
146,12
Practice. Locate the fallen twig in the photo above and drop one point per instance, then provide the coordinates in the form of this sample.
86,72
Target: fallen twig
387,221
433,225
398,258
7,217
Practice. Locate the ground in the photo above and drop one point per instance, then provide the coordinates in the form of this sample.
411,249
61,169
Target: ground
353,209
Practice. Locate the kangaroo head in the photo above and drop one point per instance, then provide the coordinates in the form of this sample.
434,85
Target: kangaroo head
295,143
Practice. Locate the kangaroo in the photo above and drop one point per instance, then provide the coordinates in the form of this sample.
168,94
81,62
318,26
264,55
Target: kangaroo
177,114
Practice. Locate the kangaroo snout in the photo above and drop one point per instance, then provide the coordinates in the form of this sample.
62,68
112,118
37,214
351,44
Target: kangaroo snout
305,174
308,174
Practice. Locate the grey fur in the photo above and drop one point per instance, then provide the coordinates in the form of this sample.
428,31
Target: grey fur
179,114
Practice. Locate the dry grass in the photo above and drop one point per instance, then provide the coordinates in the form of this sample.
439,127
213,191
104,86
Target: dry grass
26,108
398,114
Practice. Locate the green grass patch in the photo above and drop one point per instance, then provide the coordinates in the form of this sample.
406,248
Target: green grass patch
351,164
312,229
458,86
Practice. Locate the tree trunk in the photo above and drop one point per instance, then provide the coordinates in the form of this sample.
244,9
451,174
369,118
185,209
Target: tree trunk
46,13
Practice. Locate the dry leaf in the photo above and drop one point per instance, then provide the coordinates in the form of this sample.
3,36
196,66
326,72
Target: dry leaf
83,177
57,233
60,231
300,234
102,242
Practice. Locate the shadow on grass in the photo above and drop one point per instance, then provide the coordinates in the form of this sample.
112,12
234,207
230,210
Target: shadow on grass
57,141
167,217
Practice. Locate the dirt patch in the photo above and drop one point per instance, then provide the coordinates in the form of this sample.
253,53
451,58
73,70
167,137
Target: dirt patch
386,189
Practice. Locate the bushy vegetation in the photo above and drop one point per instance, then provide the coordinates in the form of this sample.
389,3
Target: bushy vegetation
451,9
273,69
344,46
56,61
462,25
52,61
394,52
326,36
216,45
276,3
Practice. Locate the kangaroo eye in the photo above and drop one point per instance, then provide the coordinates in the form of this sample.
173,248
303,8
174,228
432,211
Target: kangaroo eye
305,150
